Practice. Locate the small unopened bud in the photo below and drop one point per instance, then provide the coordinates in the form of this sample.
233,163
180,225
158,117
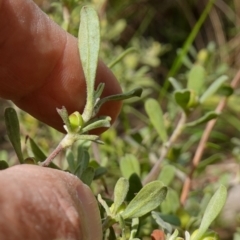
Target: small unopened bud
76,121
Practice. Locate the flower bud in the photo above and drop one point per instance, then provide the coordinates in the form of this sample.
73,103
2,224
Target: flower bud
76,121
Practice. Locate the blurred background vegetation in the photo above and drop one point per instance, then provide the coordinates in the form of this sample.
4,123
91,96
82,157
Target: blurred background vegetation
156,31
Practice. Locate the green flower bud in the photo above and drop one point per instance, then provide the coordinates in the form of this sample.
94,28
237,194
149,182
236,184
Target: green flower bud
193,101
76,121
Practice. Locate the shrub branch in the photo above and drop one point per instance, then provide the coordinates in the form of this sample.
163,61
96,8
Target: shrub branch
202,144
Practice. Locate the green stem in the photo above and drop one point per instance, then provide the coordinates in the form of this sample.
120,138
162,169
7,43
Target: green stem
118,59
108,222
178,61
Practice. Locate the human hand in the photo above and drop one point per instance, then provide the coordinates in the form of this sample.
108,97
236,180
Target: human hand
40,71
39,203
40,68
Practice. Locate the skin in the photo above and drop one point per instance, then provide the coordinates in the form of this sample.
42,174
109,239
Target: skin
40,71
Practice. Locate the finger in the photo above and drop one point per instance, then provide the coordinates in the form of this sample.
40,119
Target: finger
40,68
44,204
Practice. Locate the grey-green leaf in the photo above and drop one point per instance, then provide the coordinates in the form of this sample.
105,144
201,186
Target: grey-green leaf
167,174
120,193
156,117
13,131
129,164
89,45
214,207
102,122
213,88
149,198
164,225
137,92
205,118
64,115
196,78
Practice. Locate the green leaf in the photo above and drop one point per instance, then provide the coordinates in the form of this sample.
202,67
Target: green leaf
176,85
135,185
119,58
186,99
87,176
64,115
213,88
120,193
149,198
71,161
225,91
156,117
137,92
214,207
89,45
167,174
102,122
134,229
129,164
82,161
196,78
171,203
37,152
39,155
3,165
99,172
205,118
170,218
13,131
99,91
164,225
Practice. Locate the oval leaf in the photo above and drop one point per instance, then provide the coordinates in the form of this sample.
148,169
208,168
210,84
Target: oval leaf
89,44
167,174
196,78
129,165
149,198
120,192
156,117
214,207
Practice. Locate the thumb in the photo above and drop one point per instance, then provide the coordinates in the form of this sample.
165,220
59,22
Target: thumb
44,204
40,68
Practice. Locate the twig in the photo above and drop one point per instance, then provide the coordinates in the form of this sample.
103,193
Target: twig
202,144
66,142
153,175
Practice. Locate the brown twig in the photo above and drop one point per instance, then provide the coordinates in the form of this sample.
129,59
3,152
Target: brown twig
153,175
202,144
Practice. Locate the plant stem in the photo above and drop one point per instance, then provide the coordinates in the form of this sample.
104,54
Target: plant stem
66,142
107,223
50,158
202,144
153,175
